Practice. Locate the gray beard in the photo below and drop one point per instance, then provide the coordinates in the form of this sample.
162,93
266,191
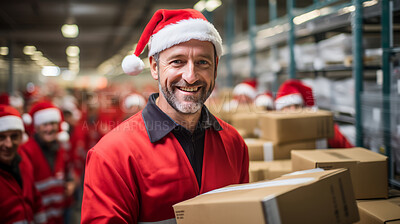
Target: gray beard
185,108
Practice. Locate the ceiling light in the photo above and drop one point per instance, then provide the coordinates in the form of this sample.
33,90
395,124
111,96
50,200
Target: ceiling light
72,51
29,50
73,59
37,56
211,5
3,50
50,71
200,6
70,30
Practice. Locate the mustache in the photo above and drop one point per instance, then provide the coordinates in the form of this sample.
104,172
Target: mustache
183,83
50,132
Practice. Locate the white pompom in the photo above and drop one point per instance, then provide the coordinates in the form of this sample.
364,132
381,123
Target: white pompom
63,136
132,65
27,119
64,126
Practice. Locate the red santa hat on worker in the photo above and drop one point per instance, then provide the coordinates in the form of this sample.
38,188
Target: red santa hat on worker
247,88
45,112
294,92
10,119
168,28
265,100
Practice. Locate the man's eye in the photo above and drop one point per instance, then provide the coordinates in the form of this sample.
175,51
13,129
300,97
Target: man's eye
203,62
176,61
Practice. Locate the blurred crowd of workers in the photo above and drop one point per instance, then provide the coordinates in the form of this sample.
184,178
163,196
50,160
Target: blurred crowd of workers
45,136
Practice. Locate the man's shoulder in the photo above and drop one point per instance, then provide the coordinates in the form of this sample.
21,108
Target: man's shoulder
229,131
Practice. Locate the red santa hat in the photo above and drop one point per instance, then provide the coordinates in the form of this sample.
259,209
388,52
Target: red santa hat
134,100
247,88
265,100
4,99
10,119
168,28
294,92
44,112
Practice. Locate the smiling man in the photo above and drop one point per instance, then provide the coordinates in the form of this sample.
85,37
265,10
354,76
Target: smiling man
20,202
174,149
51,164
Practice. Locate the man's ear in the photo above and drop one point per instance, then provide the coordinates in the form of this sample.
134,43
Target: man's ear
153,68
216,68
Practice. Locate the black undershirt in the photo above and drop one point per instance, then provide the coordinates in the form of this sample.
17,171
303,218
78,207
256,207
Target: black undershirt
13,169
159,124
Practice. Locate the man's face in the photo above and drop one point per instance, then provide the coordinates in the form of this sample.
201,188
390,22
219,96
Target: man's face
9,142
47,132
186,75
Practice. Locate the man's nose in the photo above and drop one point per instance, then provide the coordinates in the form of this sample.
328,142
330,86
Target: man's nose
190,75
8,142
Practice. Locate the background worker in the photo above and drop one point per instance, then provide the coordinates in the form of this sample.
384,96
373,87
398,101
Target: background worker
52,165
20,202
293,94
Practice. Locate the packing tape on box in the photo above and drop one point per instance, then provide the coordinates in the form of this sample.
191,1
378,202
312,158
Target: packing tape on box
271,210
274,183
268,148
305,171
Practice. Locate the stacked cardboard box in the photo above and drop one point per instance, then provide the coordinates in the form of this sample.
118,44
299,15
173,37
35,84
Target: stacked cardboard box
247,123
379,211
264,150
368,169
316,197
260,170
294,126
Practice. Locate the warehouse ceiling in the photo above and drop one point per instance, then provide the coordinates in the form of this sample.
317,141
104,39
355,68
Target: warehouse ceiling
106,27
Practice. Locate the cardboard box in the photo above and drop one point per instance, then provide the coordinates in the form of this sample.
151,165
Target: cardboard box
247,122
290,126
319,197
379,211
264,150
368,169
260,170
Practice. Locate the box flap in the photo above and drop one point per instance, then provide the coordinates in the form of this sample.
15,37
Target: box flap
326,156
360,154
384,210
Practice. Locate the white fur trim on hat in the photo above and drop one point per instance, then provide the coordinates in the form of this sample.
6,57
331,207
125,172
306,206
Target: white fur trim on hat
184,31
10,122
46,115
287,100
132,65
264,101
245,89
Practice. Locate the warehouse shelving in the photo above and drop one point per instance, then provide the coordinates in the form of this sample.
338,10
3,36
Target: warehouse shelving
334,16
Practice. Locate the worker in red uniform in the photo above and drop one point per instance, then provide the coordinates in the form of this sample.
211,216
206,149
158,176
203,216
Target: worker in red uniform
174,149
20,202
293,94
52,164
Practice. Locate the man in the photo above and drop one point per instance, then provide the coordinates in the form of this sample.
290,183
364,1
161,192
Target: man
174,149
293,94
20,202
51,163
